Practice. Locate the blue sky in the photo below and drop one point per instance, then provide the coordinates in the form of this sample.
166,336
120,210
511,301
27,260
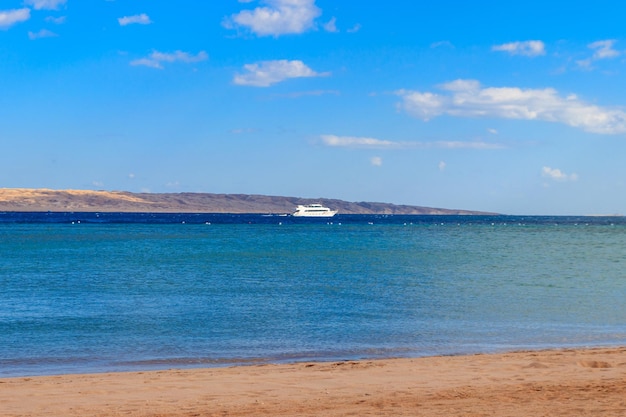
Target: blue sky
511,107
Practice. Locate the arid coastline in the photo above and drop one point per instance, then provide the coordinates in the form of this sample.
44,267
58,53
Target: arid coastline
41,200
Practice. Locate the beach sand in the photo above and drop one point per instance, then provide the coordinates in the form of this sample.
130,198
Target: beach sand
589,382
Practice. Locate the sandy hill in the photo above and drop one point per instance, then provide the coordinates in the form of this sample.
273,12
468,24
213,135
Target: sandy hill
23,199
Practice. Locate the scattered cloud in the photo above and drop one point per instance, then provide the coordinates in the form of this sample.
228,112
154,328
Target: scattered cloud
457,144
492,131
267,73
357,142
602,50
376,161
355,28
372,143
441,44
280,17
331,26
45,4
43,33
9,18
141,19
467,98
525,48
56,20
557,175
156,58
442,166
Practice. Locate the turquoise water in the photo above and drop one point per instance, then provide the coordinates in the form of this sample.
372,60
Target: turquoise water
91,297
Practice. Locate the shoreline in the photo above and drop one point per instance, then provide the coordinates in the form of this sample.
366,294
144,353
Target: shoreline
587,381
44,200
190,364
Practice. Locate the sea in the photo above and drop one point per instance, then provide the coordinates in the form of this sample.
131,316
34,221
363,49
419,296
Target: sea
104,292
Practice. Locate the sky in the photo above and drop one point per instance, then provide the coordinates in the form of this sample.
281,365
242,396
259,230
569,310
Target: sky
514,107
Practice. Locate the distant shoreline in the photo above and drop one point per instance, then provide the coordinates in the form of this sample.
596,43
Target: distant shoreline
46,200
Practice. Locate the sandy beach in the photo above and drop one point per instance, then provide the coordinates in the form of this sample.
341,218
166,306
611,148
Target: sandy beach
544,383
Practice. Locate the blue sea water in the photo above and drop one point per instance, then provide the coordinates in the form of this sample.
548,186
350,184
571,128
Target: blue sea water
94,292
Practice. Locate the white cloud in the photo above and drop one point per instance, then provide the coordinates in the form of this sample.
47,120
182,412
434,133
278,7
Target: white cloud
604,49
266,73
156,58
526,48
331,26
146,62
376,161
372,143
357,142
467,98
280,17
45,4
424,106
56,20
141,19
492,131
451,144
557,175
9,18
43,33
442,44
355,28
442,166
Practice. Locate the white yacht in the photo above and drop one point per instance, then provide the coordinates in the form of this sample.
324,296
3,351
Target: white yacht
314,210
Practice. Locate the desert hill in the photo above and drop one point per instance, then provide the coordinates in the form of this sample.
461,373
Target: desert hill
24,199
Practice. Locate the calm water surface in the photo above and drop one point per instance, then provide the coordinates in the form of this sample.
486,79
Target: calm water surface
126,293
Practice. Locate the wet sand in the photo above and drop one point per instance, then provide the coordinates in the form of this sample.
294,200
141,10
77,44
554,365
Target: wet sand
545,383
